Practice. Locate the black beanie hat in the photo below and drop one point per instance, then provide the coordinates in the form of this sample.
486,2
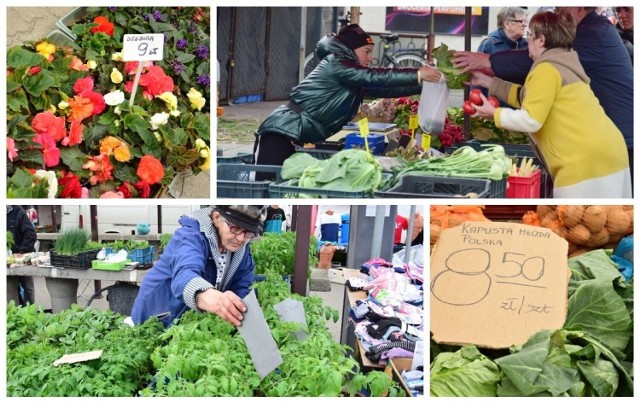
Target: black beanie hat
354,37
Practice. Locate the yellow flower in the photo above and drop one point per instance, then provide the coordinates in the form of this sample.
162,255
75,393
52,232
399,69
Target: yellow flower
117,57
116,76
92,64
204,152
196,98
120,150
63,105
170,99
207,161
200,144
175,113
46,49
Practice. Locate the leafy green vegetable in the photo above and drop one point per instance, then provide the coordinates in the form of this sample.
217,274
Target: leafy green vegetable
465,373
276,253
351,170
71,242
10,240
456,80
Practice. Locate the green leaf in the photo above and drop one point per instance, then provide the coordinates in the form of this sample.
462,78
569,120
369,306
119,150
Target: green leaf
12,84
17,101
184,57
125,172
22,178
202,123
465,373
596,309
178,136
602,376
73,158
456,80
38,83
19,58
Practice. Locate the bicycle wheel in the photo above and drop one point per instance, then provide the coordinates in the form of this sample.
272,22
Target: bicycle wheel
405,60
310,63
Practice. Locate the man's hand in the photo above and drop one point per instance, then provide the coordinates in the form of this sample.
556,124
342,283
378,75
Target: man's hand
470,61
227,305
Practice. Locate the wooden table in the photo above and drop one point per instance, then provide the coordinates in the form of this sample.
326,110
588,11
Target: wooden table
62,283
105,236
347,335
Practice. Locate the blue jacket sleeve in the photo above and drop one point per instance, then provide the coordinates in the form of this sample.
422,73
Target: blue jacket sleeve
243,277
511,65
189,259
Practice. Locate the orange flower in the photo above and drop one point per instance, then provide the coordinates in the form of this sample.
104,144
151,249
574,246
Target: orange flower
75,134
150,170
76,64
104,25
112,145
81,108
101,168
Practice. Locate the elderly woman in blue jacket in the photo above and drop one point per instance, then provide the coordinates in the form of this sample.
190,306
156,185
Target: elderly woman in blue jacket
207,266
330,96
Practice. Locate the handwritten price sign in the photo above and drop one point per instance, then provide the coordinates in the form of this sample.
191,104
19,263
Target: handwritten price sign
142,47
496,284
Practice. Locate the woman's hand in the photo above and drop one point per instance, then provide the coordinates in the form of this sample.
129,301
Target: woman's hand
227,305
428,73
480,79
486,110
472,61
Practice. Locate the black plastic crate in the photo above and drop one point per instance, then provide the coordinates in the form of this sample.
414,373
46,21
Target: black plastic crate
237,180
512,150
80,261
290,189
418,186
319,154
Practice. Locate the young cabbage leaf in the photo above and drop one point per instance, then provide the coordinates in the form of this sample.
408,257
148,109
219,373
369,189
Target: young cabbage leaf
456,80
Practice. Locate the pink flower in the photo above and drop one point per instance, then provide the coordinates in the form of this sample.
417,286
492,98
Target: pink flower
112,195
75,134
46,122
11,149
50,153
83,85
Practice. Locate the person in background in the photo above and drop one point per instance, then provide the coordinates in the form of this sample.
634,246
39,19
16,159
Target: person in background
512,24
602,55
564,118
624,15
207,266
416,233
275,218
331,95
329,224
24,237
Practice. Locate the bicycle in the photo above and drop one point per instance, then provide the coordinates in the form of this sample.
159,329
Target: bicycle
401,58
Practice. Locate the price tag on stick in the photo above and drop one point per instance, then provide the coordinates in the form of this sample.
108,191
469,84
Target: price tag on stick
141,48
364,131
413,125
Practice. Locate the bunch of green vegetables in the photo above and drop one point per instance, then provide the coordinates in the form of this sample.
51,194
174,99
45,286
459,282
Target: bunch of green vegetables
72,242
350,170
455,79
486,129
592,355
164,240
10,241
491,163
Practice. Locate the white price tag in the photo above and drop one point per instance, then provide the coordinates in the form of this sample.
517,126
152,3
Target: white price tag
142,47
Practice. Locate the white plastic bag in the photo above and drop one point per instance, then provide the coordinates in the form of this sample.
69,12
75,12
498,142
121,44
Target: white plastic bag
432,108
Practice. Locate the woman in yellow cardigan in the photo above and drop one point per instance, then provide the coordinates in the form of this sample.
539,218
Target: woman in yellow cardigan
583,150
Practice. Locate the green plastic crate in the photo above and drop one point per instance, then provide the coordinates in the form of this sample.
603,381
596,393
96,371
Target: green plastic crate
109,266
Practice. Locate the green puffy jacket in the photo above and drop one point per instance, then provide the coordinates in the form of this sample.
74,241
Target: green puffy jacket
330,96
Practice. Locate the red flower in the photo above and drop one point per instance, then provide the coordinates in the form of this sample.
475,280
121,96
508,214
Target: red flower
70,184
50,153
150,170
132,67
83,85
104,25
34,70
155,81
143,188
125,189
46,122
97,100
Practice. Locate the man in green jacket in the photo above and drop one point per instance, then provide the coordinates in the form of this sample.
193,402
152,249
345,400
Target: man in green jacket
330,96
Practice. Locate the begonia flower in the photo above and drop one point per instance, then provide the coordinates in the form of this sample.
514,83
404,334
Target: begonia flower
150,170
104,25
12,152
47,122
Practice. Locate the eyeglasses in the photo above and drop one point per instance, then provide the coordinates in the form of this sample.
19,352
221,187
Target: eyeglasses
523,22
239,230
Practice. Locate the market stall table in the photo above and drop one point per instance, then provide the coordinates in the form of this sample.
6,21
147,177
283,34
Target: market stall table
347,335
62,283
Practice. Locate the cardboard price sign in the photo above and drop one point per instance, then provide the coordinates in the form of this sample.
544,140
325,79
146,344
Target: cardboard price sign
495,284
142,47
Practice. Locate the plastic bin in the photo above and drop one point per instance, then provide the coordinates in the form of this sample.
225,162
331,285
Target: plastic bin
80,261
237,180
375,140
524,187
513,150
65,23
109,266
247,99
320,154
141,255
417,186
59,38
239,158
290,189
